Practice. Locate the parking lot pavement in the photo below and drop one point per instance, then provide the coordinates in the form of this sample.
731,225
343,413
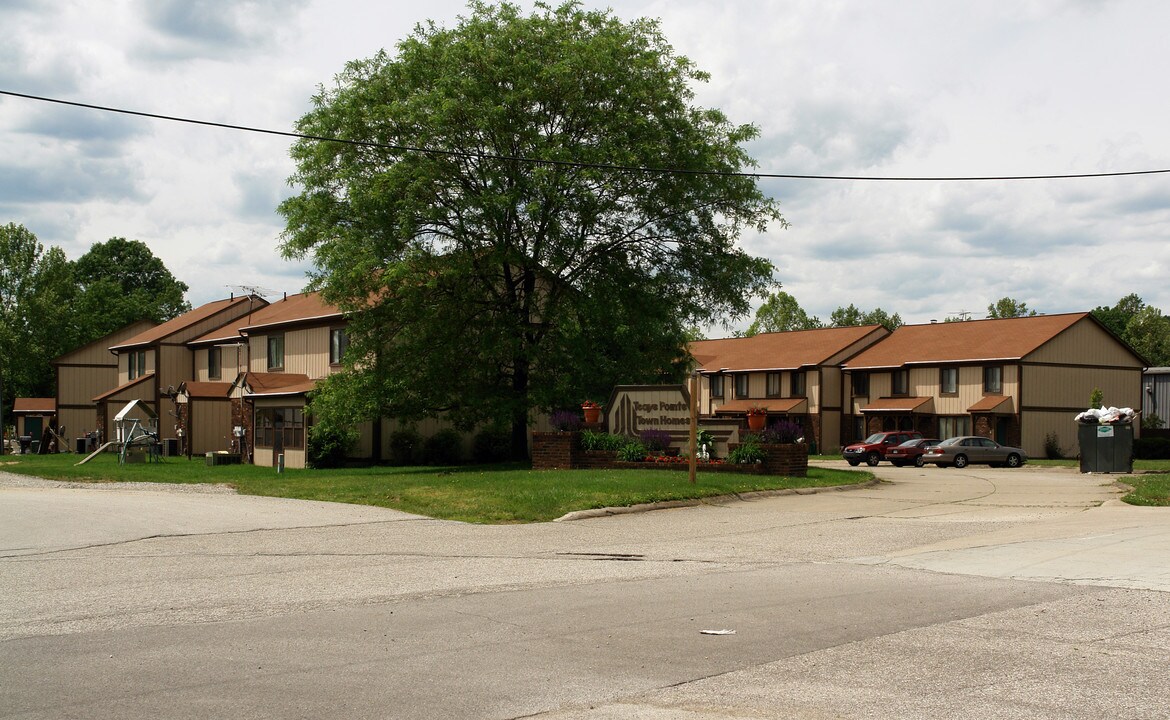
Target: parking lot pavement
981,593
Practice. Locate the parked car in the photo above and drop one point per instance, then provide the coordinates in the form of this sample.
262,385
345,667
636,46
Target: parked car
910,452
964,450
873,449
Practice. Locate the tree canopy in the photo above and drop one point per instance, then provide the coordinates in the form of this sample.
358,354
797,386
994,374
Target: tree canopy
1007,307
852,316
500,220
1143,326
120,282
781,313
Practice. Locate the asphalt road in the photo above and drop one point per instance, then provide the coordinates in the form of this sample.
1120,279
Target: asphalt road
978,593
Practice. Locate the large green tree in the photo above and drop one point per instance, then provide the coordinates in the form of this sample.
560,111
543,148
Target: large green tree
526,210
781,313
122,281
1143,326
1007,307
36,314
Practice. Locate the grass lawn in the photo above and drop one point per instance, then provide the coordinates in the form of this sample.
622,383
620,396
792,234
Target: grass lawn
478,494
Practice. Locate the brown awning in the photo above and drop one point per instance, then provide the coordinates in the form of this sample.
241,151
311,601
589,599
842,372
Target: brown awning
997,404
34,405
772,405
901,404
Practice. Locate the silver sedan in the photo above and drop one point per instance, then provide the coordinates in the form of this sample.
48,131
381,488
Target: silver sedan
967,449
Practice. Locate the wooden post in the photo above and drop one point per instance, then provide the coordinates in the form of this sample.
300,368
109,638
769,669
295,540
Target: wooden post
692,465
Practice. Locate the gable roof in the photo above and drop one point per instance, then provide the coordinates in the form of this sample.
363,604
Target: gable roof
778,351
125,386
972,341
134,328
298,308
182,322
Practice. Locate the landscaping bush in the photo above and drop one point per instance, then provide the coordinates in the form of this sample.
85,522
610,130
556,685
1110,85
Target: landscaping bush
328,445
591,440
565,420
405,447
443,448
747,453
493,444
632,451
1052,449
781,431
655,440
1154,448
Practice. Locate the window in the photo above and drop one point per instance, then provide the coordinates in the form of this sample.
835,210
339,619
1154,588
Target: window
214,362
741,385
993,379
773,382
900,382
949,427
275,352
716,386
861,384
136,364
798,384
286,423
948,381
338,342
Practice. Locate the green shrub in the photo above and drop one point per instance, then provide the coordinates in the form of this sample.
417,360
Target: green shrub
1154,448
748,453
632,451
329,445
491,445
443,448
1052,449
405,447
591,440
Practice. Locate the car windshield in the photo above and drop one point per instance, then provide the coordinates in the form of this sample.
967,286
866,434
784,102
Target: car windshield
952,441
910,443
876,437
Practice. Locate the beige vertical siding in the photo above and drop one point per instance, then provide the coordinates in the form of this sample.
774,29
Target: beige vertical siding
174,366
1085,343
307,351
1035,426
828,394
830,433
1069,387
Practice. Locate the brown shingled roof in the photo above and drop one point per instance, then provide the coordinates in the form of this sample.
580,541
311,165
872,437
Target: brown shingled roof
186,320
34,405
777,405
975,340
260,384
778,351
212,390
120,388
911,404
302,307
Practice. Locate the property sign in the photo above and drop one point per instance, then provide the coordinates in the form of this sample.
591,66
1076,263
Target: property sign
634,408
1104,431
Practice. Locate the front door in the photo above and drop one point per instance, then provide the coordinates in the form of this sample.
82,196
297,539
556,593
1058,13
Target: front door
1001,430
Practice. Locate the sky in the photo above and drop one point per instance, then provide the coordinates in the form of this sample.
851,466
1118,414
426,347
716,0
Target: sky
880,88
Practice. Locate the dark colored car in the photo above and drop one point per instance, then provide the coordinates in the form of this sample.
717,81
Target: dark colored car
873,449
967,449
910,452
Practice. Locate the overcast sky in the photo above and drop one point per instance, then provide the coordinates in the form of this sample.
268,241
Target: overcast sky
857,87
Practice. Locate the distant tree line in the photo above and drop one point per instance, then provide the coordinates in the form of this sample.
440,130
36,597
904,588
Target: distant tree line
1142,326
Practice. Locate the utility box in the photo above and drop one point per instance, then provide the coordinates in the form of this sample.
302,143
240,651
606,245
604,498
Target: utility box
171,447
1106,448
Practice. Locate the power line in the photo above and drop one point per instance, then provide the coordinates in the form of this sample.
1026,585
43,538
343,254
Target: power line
572,164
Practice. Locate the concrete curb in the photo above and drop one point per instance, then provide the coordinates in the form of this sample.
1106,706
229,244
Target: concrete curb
713,500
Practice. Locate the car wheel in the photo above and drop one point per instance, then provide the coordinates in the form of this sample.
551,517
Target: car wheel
960,461
1013,460
919,462
854,463
873,459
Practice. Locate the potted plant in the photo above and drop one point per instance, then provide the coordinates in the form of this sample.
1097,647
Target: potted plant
757,417
592,411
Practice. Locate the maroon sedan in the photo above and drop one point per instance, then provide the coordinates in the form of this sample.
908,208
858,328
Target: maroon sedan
910,452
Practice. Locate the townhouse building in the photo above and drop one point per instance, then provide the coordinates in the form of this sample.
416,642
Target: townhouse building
794,376
1017,380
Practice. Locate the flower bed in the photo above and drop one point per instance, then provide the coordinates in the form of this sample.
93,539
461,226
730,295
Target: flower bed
563,450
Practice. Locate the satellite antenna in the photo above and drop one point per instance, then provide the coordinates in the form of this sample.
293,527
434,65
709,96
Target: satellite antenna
961,314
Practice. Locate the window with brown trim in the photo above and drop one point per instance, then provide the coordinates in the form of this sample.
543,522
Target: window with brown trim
773,383
900,382
993,379
741,385
948,381
338,343
798,380
214,363
276,352
716,385
861,384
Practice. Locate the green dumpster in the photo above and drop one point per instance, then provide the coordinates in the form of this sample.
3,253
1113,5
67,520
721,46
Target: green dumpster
1106,448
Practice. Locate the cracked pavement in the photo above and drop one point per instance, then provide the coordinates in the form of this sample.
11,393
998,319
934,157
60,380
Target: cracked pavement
977,593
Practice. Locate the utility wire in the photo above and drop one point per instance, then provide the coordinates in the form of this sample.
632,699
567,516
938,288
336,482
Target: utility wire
572,164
